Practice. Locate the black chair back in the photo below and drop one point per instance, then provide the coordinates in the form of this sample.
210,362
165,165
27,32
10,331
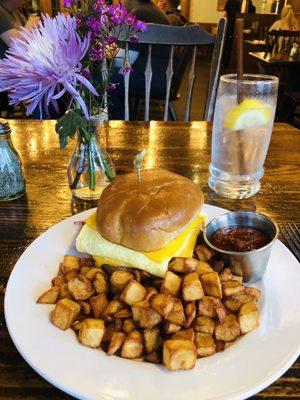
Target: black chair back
186,37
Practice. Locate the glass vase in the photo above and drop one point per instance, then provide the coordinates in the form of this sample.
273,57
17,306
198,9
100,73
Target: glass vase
90,167
12,182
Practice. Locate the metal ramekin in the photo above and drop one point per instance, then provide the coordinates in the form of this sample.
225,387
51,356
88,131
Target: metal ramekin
251,265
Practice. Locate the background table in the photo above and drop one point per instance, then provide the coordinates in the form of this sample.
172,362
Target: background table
278,59
181,147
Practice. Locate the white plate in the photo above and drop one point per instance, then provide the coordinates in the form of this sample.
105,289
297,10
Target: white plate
257,360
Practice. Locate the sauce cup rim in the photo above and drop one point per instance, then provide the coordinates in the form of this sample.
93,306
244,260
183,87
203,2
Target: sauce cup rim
241,253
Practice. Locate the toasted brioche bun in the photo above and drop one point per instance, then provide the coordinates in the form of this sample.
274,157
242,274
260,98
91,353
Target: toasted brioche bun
147,215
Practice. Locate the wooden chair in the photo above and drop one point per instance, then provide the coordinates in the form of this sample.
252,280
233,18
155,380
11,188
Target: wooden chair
187,37
280,41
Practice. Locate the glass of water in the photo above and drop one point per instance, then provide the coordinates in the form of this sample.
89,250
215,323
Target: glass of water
242,129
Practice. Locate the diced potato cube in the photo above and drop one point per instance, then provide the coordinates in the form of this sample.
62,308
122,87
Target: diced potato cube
229,330
128,326
205,344
50,296
237,278
92,273
248,317
225,275
203,268
210,307
204,324
77,326
99,304
145,315
171,284
231,288
100,283
236,267
170,328
162,303
80,288
150,292
123,313
191,287
58,280
84,270
116,342
133,345
70,263
183,265
211,284
70,275
243,298
179,354
87,262
254,292
112,307
64,292
119,280
232,304
203,253
91,332
190,313
65,313
177,315
85,307
133,293
152,339
217,265
187,334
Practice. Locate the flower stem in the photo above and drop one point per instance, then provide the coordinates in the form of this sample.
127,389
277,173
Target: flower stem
91,167
79,168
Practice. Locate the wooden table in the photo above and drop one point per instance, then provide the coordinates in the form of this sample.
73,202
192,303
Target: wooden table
275,60
180,147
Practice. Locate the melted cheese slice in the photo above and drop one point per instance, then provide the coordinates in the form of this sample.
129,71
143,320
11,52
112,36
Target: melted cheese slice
155,262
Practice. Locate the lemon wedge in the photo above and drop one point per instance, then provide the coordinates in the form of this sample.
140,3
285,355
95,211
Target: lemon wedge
249,113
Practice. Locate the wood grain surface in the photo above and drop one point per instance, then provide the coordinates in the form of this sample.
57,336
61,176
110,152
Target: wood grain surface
181,147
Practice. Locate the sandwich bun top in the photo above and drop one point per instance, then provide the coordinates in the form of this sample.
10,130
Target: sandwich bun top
147,215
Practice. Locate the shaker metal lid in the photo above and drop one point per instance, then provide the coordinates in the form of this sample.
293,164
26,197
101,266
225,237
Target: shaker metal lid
4,127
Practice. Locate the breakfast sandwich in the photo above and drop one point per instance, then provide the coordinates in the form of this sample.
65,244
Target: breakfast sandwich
144,224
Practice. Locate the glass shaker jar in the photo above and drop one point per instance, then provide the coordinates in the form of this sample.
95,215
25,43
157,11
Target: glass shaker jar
12,182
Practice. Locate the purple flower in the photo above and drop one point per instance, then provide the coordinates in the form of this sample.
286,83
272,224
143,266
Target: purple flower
117,13
140,26
67,3
100,6
134,39
95,25
45,63
86,73
129,19
126,69
97,52
111,40
111,87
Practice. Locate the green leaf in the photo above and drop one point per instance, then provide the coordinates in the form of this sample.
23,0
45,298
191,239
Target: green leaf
67,126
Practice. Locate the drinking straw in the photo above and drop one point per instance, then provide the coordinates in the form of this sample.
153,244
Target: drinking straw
239,27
